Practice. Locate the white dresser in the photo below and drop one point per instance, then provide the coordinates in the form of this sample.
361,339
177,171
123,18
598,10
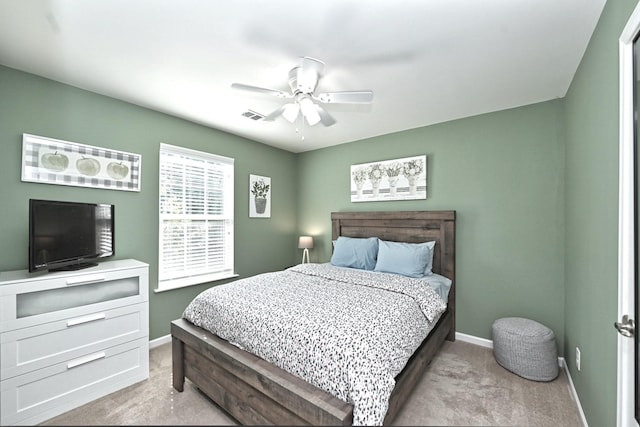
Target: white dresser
67,338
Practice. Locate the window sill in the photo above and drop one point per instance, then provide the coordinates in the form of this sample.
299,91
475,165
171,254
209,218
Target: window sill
186,282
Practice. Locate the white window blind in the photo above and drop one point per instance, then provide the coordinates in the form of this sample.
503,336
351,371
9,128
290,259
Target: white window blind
196,217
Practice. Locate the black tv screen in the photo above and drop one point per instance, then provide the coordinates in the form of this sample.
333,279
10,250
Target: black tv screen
68,235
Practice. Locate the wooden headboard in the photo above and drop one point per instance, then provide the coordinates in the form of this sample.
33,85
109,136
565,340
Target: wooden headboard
407,226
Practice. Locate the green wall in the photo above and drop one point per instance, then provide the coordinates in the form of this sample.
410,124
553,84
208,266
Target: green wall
503,173
591,241
536,194
535,189
30,104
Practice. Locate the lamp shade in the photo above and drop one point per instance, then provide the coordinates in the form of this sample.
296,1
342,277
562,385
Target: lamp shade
305,242
309,111
290,112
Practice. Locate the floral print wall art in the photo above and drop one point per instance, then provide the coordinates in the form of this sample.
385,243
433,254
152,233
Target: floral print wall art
398,179
259,196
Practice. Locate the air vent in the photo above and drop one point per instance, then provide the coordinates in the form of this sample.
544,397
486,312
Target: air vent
250,114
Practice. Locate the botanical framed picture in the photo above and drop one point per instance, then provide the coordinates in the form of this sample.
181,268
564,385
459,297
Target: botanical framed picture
53,161
397,179
259,196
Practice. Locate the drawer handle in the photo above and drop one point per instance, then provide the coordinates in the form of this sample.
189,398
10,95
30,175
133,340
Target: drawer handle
86,359
85,280
86,319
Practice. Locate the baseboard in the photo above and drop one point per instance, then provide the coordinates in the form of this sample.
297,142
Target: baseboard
574,394
483,342
159,341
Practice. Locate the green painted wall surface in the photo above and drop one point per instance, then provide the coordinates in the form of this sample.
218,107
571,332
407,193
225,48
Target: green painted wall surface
592,217
30,104
503,174
535,190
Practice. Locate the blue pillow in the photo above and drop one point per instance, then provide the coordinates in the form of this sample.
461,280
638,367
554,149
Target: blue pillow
431,246
355,252
408,259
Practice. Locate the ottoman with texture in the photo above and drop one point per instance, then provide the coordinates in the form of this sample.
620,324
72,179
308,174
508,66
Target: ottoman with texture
526,348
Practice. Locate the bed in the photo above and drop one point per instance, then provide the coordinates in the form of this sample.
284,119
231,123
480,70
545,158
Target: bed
254,391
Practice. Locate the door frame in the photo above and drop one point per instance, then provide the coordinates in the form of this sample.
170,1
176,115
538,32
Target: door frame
626,256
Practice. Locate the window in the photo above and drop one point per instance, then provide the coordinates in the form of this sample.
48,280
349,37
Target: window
196,217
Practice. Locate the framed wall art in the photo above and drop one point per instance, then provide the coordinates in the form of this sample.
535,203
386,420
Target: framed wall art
53,161
397,179
259,196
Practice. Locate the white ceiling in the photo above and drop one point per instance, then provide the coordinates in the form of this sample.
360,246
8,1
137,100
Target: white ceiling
427,61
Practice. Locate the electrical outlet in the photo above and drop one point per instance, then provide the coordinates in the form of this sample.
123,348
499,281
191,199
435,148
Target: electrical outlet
578,358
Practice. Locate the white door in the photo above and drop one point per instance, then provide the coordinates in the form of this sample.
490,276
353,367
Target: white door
628,411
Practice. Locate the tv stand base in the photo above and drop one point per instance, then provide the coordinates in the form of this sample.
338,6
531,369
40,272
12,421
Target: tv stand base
75,267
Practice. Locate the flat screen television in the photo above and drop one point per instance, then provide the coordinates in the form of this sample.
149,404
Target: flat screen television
69,235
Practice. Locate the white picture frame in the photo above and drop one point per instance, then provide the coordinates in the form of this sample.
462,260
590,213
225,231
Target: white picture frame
259,196
396,179
53,161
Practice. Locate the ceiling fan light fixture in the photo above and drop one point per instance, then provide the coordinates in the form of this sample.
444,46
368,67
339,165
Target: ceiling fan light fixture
290,112
309,112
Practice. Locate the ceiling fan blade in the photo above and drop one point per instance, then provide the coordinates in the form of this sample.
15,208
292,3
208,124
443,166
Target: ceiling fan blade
325,118
308,73
256,89
274,115
359,97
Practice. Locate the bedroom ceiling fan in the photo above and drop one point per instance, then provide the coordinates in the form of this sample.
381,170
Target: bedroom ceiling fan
303,80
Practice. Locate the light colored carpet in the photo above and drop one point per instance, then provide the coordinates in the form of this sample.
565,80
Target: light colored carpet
463,386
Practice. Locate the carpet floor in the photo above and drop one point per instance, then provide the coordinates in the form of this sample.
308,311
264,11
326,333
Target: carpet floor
463,386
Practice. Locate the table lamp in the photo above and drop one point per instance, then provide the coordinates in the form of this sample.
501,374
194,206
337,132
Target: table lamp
306,243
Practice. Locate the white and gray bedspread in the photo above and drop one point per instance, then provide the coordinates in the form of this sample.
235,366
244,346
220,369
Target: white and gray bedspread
348,332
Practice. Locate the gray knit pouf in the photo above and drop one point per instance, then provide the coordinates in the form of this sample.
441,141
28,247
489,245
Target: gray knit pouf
526,348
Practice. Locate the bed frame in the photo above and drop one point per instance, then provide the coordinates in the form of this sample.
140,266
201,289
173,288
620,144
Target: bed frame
254,391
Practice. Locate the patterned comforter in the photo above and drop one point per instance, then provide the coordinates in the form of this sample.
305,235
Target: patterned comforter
348,332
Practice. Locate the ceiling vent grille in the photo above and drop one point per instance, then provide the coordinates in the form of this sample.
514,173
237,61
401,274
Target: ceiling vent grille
250,114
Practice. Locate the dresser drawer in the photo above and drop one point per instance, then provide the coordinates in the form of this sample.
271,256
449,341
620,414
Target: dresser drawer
57,296
24,350
42,394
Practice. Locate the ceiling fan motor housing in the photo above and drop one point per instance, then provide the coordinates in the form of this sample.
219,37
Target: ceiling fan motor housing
293,80
304,78
302,81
